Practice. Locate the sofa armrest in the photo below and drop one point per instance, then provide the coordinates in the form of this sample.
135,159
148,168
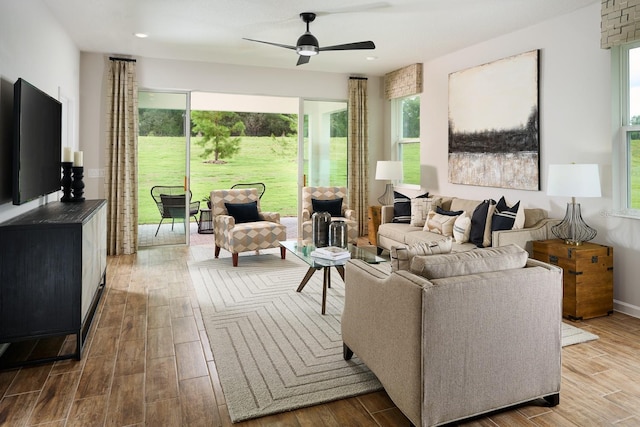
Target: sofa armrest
381,324
386,214
524,237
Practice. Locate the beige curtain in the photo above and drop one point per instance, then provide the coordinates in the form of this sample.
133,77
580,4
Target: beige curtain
121,176
358,152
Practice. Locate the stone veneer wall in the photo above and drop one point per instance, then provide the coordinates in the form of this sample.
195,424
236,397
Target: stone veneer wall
403,82
620,22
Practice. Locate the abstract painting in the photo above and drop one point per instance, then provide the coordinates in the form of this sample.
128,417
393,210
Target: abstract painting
493,124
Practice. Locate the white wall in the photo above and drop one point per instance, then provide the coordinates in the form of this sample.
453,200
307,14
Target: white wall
575,123
158,74
35,47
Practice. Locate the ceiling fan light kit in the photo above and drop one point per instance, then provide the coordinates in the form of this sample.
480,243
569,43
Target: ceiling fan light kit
307,45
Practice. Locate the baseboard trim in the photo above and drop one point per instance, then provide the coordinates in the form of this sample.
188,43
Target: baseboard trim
629,309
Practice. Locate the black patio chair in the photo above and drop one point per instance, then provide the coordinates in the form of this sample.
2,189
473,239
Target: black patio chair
170,201
257,185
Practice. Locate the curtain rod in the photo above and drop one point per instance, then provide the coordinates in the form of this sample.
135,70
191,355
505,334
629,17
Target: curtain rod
112,58
358,78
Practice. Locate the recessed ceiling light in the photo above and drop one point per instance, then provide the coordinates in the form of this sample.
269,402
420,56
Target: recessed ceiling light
371,58
141,35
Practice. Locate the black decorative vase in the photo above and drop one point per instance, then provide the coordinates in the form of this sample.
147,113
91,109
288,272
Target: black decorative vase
66,181
77,185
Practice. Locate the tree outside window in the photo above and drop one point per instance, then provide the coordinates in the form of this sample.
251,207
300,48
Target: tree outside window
407,125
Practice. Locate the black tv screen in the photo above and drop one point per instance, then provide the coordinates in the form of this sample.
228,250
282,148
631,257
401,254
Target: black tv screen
37,142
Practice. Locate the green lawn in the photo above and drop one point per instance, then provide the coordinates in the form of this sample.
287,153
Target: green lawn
261,159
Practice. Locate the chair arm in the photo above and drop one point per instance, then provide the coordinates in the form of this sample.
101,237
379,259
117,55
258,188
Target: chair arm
270,216
386,214
350,214
223,222
306,215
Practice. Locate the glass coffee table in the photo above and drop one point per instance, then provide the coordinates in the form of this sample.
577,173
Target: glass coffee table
303,252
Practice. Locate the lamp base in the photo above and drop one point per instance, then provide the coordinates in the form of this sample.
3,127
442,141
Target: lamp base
573,230
387,197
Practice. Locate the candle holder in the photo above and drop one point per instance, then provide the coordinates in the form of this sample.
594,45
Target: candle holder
77,185
66,181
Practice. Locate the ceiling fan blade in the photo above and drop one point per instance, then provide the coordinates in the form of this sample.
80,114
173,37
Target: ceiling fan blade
286,46
350,46
302,59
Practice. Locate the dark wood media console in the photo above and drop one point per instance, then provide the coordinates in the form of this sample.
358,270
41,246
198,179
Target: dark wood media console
52,272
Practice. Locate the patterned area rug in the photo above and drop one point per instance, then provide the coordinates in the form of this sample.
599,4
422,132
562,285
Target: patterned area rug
273,349
572,335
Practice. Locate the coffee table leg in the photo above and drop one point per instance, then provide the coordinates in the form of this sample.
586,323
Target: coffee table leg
340,269
325,282
306,279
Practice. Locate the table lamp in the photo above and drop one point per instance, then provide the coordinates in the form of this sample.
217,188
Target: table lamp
387,170
573,180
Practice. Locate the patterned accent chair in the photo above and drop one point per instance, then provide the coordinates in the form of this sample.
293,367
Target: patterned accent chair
327,193
261,232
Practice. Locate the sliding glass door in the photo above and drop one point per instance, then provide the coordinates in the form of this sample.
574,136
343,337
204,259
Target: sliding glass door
163,168
323,143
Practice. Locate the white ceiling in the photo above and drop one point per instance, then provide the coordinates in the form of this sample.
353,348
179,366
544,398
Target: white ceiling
404,31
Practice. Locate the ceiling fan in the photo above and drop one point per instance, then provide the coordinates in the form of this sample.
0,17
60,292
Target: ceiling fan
307,44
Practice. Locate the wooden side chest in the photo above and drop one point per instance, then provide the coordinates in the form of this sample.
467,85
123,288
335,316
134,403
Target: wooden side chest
375,213
587,276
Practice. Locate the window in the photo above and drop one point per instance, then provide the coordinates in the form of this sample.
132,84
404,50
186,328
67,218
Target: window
406,129
629,144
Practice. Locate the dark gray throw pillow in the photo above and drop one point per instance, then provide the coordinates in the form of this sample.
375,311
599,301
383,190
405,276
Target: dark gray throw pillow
243,212
504,216
448,213
402,207
332,206
479,222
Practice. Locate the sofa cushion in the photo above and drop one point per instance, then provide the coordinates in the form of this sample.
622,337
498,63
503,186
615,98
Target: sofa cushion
533,216
401,256
461,228
463,205
441,224
332,206
395,231
469,262
480,234
420,207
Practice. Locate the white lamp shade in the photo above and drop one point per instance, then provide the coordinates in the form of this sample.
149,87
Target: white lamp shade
389,170
574,180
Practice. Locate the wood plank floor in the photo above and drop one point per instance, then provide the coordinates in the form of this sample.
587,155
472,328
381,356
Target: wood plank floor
148,362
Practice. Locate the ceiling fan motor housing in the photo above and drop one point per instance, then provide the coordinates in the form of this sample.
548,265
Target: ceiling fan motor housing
307,45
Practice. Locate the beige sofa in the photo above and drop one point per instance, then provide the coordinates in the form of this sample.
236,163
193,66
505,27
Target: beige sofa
537,226
479,339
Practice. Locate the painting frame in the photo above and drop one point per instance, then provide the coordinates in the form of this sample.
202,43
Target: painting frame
494,117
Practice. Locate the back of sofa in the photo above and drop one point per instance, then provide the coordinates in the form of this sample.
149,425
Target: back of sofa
490,340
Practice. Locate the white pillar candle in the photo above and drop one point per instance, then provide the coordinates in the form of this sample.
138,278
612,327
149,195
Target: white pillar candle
77,159
67,156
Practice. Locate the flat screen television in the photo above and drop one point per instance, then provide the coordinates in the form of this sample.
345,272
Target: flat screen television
37,142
